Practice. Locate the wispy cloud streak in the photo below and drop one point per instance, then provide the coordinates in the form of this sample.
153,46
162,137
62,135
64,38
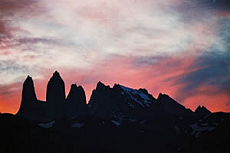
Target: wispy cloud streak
174,46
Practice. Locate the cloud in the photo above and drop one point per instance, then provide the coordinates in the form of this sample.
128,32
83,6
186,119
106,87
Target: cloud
10,97
10,8
214,70
165,46
91,32
214,4
9,89
156,74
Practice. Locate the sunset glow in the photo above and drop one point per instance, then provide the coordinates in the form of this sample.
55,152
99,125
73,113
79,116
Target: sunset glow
177,47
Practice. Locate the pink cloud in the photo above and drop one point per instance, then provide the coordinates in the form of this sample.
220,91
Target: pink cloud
156,77
88,35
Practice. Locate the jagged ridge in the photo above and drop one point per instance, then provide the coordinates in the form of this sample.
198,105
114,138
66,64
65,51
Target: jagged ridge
117,103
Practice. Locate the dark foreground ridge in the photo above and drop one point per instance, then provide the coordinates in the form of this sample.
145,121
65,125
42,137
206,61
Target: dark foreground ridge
117,119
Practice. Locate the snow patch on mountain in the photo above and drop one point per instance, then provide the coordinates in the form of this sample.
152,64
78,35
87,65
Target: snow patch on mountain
134,93
47,125
198,129
116,123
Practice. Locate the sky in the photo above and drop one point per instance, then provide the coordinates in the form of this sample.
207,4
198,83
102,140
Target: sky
177,47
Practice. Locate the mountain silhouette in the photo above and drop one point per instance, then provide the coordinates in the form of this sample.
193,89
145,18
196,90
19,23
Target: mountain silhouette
55,97
76,102
29,97
116,119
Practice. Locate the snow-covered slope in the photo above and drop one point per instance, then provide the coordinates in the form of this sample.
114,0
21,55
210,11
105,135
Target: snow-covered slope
121,102
140,96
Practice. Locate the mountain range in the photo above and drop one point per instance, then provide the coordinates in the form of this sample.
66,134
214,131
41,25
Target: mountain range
116,119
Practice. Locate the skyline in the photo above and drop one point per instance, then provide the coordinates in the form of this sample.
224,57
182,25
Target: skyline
177,47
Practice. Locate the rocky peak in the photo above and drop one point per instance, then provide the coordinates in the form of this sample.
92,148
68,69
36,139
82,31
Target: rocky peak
101,100
28,91
119,100
165,99
28,95
56,74
116,85
76,102
162,96
140,96
76,94
56,77
28,79
72,91
101,91
171,106
55,96
202,111
101,86
55,88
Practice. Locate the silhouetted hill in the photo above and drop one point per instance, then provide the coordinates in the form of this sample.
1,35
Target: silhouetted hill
117,119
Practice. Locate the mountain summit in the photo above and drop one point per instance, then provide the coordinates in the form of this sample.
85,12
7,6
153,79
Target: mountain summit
55,96
29,97
76,102
171,106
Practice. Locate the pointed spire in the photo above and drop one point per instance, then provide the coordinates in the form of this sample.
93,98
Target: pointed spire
55,95
28,91
28,95
55,87
28,78
56,74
